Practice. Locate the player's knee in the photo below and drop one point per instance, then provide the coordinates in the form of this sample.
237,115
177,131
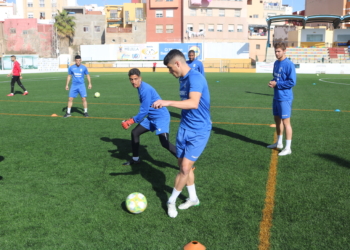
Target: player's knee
185,169
83,98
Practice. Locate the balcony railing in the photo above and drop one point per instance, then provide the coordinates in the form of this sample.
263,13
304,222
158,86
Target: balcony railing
118,30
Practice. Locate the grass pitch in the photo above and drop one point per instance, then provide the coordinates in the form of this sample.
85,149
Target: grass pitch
64,187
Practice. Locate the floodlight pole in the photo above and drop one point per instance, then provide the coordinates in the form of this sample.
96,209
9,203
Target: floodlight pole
268,36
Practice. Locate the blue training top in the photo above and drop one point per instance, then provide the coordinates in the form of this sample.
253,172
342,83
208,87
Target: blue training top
196,65
78,73
195,119
148,95
285,77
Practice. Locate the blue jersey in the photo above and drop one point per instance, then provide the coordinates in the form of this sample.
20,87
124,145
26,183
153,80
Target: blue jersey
148,95
285,77
195,119
78,73
196,65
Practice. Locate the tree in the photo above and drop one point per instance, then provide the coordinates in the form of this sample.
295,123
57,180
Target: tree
65,25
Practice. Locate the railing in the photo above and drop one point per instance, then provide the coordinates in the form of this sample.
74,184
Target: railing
118,30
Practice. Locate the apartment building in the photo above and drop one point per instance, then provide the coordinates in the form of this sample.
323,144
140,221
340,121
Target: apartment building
164,20
7,10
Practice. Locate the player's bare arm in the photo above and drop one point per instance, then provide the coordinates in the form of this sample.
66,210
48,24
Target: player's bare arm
89,80
67,83
191,103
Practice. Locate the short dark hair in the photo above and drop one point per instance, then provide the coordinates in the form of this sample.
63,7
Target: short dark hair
280,45
13,56
77,57
134,71
172,54
192,51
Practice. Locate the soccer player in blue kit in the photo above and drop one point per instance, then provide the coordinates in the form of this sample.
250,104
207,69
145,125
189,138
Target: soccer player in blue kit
77,72
193,63
284,79
157,119
194,129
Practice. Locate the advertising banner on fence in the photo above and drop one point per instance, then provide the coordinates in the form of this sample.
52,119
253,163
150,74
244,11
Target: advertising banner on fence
138,52
164,49
26,61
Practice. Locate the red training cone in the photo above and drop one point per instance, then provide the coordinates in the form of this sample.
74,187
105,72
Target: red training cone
194,245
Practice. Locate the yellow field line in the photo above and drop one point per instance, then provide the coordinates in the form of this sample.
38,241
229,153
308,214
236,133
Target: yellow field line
134,104
266,222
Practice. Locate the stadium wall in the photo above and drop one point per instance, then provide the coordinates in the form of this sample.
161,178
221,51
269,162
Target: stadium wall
308,68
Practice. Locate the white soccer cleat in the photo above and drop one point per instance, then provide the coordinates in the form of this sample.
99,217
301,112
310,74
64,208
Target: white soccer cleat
275,145
286,151
172,212
189,204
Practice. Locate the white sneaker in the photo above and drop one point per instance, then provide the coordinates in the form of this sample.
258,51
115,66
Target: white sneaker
172,212
286,151
275,145
189,204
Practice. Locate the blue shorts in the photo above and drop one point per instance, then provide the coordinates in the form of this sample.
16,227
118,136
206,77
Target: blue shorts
283,109
79,89
159,125
190,144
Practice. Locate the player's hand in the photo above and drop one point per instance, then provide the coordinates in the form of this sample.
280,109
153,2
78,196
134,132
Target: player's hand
127,123
20,77
272,84
90,86
160,104
67,88
8,75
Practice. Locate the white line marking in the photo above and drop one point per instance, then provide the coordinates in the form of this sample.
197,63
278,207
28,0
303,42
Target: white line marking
323,80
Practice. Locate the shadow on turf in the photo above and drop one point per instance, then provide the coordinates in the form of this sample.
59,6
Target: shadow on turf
231,134
1,159
340,161
248,92
74,110
149,173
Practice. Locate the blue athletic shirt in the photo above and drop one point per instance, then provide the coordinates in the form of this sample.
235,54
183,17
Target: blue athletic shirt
196,65
78,73
195,119
148,95
285,77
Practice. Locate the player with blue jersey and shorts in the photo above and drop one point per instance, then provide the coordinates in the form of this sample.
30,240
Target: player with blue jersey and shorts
157,119
284,79
193,63
77,72
194,129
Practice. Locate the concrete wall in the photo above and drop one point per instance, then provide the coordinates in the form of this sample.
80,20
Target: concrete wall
92,36
340,32
137,35
306,32
325,7
281,33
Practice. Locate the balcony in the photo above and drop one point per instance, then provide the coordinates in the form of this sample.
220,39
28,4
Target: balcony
114,19
225,4
118,30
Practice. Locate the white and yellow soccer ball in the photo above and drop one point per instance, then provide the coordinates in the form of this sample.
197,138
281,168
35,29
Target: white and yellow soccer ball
97,94
136,203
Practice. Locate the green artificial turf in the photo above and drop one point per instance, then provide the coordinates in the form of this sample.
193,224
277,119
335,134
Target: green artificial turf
64,186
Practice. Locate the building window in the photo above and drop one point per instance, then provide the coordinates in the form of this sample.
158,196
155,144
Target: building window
97,28
25,32
30,3
257,46
239,28
219,27
170,28
53,3
86,29
209,12
237,12
190,27
169,0
193,12
139,13
159,28
169,13
42,15
13,31
159,13
211,27
42,3
201,27
255,16
271,14
221,12
30,15
231,28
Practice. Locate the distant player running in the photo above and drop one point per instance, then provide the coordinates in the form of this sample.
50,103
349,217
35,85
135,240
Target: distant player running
194,129
157,119
284,79
16,73
77,72
193,63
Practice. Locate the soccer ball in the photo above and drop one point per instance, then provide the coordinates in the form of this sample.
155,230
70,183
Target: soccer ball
136,203
97,94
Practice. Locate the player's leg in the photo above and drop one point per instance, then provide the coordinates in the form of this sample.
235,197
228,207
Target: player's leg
13,81
286,107
164,140
83,95
22,87
135,143
73,93
83,99
276,109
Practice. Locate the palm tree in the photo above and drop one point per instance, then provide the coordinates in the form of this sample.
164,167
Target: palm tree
65,25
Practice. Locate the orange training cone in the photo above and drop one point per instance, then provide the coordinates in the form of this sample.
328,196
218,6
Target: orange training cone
194,245
54,115
273,125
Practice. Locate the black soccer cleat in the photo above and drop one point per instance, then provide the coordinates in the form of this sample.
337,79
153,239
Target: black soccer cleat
67,115
86,114
131,162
